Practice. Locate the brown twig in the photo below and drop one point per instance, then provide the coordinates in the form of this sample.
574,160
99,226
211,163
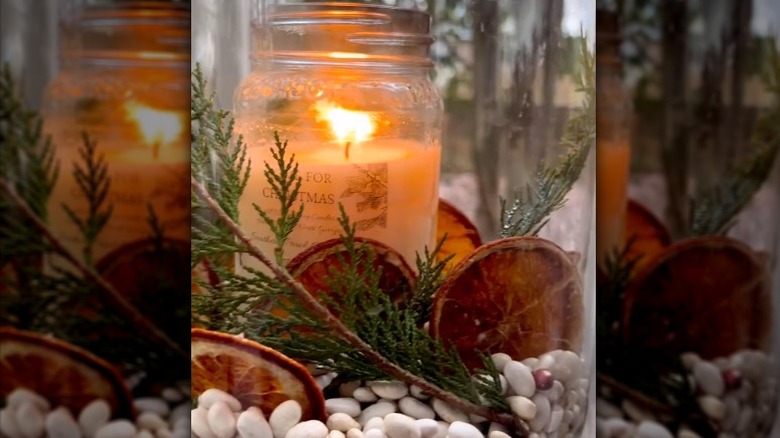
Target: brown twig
128,310
341,330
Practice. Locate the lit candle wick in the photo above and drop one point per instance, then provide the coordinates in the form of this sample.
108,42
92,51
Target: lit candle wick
156,150
346,150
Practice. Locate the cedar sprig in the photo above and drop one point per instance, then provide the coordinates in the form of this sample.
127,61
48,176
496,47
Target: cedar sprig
92,178
285,184
534,203
219,160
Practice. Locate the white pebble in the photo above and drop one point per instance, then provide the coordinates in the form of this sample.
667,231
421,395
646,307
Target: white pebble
375,433
520,379
336,434
606,409
152,404
401,426
530,362
689,359
308,429
459,429
61,424
29,419
418,393
500,360
415,408
355,433
542,416
324,380
341,422
523,407
390,390
616,427
712,406
498,434
150,421
200,424
637,413
348,388
8,425
448,413
252,424
427,427
94,416
380,409
172,395
708,378
213,395
745,420
284,417
546,361
497,427
556,416
221,420
24,395
167,433
687,433
568,366
364,395
117,429
180,411
144,434
374,423
345,405
651,429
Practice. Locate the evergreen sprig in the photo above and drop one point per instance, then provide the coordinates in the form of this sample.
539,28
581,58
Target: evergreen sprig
363,333
714,211
34,298
94,183
221,164
285,185
533,204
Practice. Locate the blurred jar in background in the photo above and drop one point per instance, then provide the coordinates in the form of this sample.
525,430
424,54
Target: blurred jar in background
688,314
124,84
121,97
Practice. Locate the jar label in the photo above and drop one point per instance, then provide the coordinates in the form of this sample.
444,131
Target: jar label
393,202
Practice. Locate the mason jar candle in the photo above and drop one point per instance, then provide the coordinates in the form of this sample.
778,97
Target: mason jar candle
123,84
347,87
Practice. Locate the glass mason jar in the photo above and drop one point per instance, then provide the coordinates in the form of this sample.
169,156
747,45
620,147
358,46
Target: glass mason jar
689,315
123,85
347,86
122,93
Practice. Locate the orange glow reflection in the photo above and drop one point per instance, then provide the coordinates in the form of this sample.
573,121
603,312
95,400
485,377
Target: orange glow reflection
156,126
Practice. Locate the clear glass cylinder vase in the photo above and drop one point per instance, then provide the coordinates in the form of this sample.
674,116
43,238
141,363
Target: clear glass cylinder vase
347,87
690,312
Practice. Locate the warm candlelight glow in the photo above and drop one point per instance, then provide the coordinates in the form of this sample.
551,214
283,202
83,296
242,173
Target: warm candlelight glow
156,126
349,127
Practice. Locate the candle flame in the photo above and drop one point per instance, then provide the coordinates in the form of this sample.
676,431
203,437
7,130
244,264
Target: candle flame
156,126
348,126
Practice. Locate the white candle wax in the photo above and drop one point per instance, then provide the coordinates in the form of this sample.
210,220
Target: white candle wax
389,189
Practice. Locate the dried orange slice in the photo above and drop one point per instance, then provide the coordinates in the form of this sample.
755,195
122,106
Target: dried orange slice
152,275
65,374
519,295
710,295
255,374
313,267
462,236
649,234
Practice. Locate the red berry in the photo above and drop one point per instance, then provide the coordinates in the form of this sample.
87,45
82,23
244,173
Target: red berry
543,379
732,378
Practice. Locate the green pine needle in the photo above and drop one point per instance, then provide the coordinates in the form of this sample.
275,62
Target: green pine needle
94,184
533,204
714,211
